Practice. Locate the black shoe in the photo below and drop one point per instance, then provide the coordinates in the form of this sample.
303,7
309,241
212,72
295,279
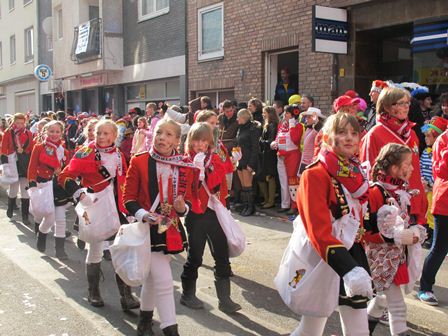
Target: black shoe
226,304
11,203
93,278
128,300
41,244
171,330
250,209
188,297
67,234
60,248
144,324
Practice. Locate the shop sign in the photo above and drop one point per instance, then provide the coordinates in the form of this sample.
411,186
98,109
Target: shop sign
97,80
42,72
329,30
432,76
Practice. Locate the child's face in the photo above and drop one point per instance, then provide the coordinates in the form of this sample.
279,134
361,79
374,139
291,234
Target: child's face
430,138
166,139
309,120
105,136
54,133
213,121
345,142
199,146
404,169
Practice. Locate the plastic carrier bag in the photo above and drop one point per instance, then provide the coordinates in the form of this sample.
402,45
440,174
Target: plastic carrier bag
41,200
9,173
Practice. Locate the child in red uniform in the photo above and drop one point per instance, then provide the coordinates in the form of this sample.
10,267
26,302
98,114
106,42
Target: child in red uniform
99,165
202,223
159,176
19,141
329,222
47,160
389,240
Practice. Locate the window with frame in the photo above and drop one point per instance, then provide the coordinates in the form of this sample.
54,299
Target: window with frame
12,49
29,44
11,5
59,23
211,32
148,9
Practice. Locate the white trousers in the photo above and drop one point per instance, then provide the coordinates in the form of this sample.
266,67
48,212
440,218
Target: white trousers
158,291
354,323
22,183
229,179
284,187
396,307
94,252
57,220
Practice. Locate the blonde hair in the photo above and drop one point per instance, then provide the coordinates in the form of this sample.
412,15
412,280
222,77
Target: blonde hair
334,123
245,113
170,123
90,123
199,131
18,116
107,123
205,115
54,123
390,96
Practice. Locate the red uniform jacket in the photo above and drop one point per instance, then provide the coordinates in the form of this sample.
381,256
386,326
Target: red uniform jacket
39,169
315,204
370,147
440,172
8,142
215,177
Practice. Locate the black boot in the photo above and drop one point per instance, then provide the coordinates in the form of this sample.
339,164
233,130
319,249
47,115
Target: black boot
188,297
128,300
171,330
11,203
41,241
144,325
226,304
36,227
243,197
93,278
250,209
25,203
60,250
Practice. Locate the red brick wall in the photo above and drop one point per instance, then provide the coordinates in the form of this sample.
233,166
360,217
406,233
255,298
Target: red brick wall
252,28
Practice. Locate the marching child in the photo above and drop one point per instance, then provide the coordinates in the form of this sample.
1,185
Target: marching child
201,221
329,230
47,160
390,233
156,182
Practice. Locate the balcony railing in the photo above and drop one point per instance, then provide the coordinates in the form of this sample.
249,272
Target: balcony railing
87,41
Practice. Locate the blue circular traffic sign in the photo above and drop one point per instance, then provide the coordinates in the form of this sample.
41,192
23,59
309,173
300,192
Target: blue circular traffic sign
42,72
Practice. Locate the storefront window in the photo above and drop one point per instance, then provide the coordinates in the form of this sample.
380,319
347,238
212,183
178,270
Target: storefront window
135,92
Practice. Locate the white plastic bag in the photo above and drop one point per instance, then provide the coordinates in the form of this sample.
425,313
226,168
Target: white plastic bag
302,276
100,220
131,253
9,170
41,200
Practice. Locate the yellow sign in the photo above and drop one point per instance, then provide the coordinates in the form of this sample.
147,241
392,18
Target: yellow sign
432,76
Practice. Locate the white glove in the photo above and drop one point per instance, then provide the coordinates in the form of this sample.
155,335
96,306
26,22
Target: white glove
404,237
198,160
420,232
358,282
292,123
388,220
85,200
274,145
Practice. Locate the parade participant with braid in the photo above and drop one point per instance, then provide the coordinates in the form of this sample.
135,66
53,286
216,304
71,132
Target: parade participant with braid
201,221
17,139
99,165
389,235
47,160
330,224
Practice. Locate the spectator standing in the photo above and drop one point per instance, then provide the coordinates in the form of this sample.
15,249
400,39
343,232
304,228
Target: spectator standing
268,172
255,106
443,101
370,113
284,88
153,119
423,97
306,102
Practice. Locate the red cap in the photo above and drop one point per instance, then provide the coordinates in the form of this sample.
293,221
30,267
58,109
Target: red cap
438,124
351,93
344,101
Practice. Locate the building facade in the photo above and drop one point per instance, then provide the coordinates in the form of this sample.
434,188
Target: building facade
237,48
112,56
19,90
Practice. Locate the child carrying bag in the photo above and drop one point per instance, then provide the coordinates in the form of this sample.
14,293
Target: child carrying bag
42,200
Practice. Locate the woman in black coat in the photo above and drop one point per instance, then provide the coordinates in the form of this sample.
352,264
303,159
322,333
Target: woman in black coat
247,138
268,171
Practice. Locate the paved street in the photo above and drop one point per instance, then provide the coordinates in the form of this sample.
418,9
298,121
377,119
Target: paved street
40,296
